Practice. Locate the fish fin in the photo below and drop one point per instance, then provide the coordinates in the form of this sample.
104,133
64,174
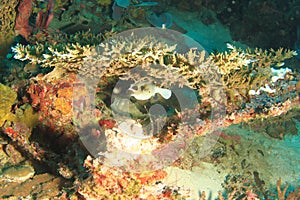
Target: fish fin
165,93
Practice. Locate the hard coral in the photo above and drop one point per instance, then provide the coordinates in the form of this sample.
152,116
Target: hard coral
7,99
7,18
64,57
114,183
244,70
53,103
238,71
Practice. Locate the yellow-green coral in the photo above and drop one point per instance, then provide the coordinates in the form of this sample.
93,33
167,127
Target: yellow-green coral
104,2
24,114
59,4
7,19
243,69
67,56
237,59
248,69
7,99
27,116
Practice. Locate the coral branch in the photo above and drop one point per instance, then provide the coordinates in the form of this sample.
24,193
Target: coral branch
280,193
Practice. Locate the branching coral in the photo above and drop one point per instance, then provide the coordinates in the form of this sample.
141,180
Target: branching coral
64,56
249,68
282,194
244,70
237,59
116,56
239,70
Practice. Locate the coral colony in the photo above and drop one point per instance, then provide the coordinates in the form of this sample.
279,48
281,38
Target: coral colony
106,99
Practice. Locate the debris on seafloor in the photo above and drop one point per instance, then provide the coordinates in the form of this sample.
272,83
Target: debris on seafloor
17,173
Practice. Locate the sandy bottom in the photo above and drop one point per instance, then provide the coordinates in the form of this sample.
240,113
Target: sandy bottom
203,178
280,159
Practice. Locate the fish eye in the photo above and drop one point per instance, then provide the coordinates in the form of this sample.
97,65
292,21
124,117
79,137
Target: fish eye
134,87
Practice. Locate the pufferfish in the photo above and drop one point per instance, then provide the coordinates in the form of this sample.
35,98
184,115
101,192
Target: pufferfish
146,90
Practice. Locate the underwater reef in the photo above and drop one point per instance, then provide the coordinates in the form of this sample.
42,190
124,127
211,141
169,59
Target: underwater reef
97,104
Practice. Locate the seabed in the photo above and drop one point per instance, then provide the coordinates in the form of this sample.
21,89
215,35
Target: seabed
121,99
